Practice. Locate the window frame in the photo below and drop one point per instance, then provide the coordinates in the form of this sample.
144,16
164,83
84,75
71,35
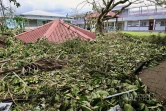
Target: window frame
162,23
143,24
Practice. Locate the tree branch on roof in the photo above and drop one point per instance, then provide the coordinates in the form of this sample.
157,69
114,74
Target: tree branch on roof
102,10
120,11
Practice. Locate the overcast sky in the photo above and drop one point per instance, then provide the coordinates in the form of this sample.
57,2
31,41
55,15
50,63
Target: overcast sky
57,6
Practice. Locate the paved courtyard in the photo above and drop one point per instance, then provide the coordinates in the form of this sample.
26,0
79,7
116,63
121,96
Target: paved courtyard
155,79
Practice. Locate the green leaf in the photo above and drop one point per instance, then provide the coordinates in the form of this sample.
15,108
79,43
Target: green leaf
130,87
141,106
146,108
151,102
128,107
85,108
75,90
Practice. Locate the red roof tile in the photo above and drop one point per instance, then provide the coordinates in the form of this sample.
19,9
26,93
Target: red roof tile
56,31
96,14
111,14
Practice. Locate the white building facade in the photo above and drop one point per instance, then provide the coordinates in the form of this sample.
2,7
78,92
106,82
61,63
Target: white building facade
37,18
142,18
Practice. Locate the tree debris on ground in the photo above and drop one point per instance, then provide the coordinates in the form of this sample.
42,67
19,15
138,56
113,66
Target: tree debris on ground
78,75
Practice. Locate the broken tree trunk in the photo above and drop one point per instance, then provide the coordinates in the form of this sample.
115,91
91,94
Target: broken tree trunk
116,24
107,26
100,27
22,98
42,64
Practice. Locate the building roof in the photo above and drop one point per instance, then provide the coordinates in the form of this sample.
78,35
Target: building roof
55,31
41,18
96,14
42,13
111,14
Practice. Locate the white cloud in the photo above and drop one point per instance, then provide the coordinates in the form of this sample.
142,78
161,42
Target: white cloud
57,6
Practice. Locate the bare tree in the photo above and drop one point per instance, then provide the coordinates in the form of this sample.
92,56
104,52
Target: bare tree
5,12
105,6
8,9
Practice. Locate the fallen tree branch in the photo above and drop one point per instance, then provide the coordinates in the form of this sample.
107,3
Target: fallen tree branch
140,67
22,98
10,70
11,95
42,64
21,80
5,61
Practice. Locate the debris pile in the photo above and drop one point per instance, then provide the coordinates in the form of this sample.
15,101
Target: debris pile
78,75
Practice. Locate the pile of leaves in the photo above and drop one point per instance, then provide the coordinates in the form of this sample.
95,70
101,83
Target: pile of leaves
90,71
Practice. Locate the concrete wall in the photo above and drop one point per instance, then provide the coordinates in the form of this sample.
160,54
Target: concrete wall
137,28
80,21
42,17
158,26
133,28
145,17
144,28
29,28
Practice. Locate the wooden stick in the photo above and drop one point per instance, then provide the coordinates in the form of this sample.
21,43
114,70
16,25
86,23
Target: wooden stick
5,61
11,70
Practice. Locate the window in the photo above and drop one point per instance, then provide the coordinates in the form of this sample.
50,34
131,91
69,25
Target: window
144,10
44,22
134,11
133,24
143,24
162,23
151,9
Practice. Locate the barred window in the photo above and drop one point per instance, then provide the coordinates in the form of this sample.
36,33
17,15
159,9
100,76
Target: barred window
162,23
143,24
133,24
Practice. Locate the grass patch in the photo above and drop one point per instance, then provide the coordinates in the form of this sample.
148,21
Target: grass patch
154,38
145,33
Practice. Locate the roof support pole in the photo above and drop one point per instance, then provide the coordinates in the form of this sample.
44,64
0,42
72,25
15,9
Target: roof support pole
125,25
107,26
28,24
154,24
122,24
139,24
114,26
